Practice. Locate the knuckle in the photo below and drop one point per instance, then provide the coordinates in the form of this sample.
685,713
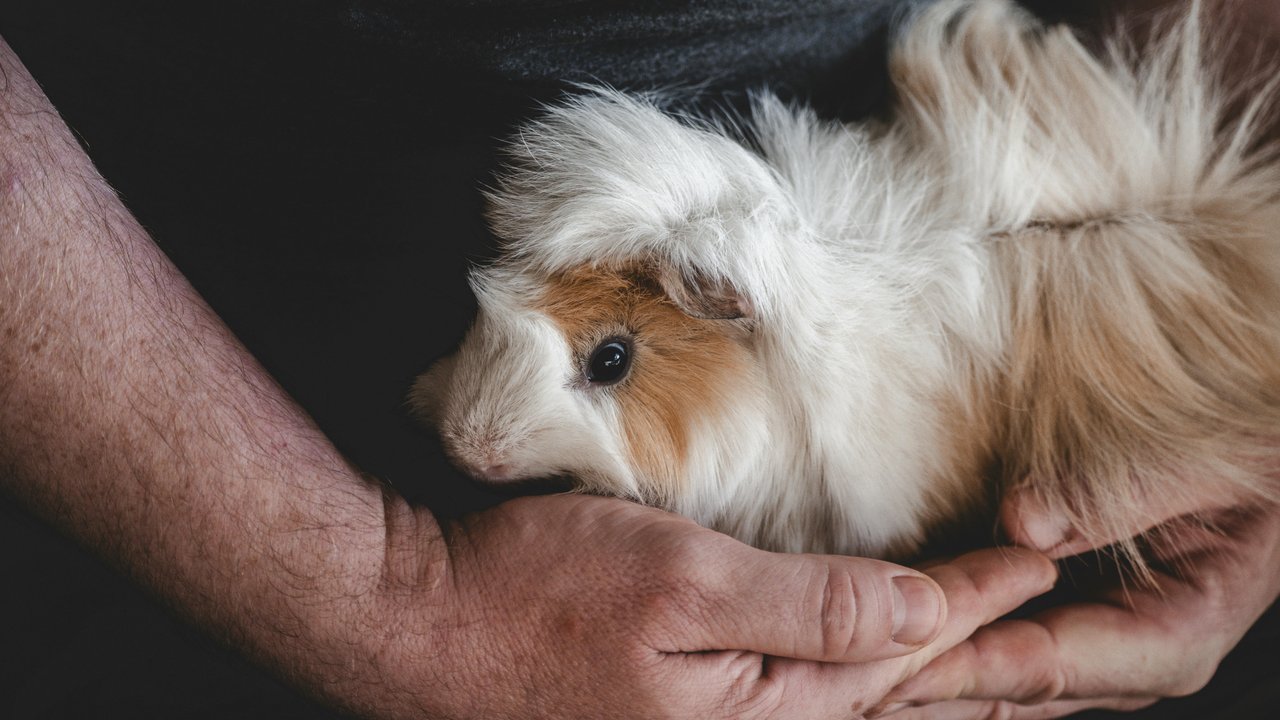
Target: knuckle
837,611
752,694
1038,678
1054,677
995,710
1047,683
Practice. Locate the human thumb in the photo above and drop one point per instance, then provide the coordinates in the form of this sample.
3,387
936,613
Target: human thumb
823,608
1029,521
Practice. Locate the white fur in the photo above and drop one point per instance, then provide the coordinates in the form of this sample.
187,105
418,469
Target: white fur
866,252
502,399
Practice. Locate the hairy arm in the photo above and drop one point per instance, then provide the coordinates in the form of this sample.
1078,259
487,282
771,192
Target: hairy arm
132,419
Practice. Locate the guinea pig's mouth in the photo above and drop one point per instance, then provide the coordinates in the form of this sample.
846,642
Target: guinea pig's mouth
550,485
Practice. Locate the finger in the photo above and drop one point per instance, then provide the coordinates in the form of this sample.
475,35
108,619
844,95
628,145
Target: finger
985,585
979,588
1029,521
1071,653
815,607
1004,710
1158,642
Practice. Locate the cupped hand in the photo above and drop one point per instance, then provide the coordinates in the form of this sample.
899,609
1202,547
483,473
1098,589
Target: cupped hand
573,606
1216,569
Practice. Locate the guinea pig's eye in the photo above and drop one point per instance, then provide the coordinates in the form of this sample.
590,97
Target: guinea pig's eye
609,362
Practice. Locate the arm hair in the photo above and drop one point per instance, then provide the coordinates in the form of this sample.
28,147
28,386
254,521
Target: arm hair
132,419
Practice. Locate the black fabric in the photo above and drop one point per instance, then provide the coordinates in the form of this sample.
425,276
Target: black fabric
314,168
817,48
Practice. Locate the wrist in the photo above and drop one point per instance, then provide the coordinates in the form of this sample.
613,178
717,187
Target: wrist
381,649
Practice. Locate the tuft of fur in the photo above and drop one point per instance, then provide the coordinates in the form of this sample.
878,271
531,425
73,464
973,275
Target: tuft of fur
1049,269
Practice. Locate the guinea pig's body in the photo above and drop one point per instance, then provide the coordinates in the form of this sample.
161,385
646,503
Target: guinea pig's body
1048,269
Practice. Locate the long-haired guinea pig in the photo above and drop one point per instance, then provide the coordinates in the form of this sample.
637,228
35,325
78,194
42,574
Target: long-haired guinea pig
1049,269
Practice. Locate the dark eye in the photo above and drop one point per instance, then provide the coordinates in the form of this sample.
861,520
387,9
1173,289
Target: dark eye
609,362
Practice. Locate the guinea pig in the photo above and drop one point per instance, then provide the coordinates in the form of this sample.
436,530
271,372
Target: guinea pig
1047,269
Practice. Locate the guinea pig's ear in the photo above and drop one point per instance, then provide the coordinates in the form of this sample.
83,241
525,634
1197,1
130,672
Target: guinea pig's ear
701,296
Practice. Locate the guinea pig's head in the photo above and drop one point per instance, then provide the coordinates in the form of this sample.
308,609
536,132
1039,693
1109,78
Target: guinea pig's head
624,379
617,340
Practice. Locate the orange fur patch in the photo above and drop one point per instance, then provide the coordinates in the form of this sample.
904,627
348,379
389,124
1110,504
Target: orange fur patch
682,368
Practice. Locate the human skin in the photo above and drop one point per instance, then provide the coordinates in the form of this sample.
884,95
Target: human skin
1217,569
132,419
1124,648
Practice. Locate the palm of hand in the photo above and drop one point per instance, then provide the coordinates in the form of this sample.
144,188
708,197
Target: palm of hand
1124,647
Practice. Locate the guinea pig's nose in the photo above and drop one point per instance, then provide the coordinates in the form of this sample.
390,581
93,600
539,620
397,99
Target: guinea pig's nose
496,472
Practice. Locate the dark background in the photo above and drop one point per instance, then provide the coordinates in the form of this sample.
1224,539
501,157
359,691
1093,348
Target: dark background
314,168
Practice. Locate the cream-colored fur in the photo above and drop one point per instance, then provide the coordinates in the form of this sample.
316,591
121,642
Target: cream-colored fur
1048,268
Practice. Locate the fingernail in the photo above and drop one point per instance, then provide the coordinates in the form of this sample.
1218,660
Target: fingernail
889,709
917,608
1043,531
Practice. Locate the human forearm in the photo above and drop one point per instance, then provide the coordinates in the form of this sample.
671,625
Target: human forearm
131,418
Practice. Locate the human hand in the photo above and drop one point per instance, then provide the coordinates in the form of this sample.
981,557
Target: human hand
577,606
133,419
1216,570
